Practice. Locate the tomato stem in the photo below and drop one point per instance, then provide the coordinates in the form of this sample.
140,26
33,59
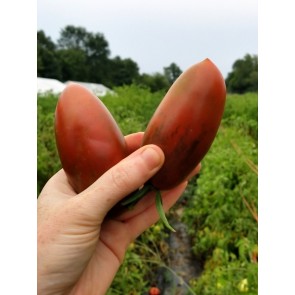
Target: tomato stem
132,199
159,206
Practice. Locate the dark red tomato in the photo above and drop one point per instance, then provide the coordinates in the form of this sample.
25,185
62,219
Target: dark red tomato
89,142
186,122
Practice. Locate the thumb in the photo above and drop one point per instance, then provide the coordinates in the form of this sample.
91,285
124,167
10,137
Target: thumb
121,180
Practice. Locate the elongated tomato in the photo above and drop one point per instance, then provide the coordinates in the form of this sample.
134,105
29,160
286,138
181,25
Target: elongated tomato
88,140
186,122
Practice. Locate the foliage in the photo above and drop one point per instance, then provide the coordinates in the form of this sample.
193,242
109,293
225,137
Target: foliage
123,71
172,72
132,107
244,75
222,217
222,213
158,81
143,258
73,62
48,65
241,111
47,161
84,56
72,37
227,275
221,203
154,82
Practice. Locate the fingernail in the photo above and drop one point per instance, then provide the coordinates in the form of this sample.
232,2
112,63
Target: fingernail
151,157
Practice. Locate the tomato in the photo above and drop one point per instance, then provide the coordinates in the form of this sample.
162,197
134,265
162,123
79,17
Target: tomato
186,122
154,291
88,140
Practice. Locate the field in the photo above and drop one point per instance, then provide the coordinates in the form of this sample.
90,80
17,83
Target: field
218,211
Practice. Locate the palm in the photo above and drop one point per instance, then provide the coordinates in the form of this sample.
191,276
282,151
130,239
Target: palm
81,247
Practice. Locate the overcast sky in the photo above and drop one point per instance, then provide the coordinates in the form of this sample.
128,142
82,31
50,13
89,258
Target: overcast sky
155,33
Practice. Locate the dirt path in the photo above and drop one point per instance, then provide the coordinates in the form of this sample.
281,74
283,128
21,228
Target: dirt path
182,266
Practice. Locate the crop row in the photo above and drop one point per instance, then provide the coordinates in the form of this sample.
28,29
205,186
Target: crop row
221,202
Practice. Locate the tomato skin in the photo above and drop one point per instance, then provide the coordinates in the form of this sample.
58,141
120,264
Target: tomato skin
88,140
154,291
186,122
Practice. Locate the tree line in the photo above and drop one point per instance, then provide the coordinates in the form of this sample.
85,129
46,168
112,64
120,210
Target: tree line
84,56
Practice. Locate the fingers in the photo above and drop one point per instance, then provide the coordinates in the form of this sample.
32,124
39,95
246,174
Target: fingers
123,214
57,187
134,141
59,181
139,223
195,171
147,201
117,234
121,180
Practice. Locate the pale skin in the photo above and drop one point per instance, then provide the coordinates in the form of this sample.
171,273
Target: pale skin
79,249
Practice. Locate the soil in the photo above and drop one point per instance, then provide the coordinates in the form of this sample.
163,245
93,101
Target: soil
182,265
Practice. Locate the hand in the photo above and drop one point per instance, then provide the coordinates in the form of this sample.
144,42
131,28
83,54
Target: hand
79,250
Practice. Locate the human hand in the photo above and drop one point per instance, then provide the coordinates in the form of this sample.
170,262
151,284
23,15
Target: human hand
79,249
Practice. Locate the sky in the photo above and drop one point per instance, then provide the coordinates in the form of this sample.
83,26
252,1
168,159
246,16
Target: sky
155,33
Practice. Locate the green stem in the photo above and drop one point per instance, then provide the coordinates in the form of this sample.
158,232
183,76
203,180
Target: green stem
159,205
137,195
131,200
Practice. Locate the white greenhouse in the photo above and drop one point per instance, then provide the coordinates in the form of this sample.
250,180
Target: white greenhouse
46,85
98,89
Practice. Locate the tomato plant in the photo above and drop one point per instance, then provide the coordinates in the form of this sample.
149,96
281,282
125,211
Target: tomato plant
215,212
89,141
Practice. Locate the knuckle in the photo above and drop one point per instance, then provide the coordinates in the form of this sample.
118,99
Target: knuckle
120,178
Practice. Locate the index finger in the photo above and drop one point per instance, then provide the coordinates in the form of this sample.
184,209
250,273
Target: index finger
134,141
